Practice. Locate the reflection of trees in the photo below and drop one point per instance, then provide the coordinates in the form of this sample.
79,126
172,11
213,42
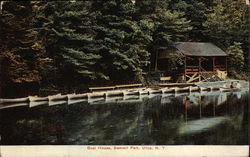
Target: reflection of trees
21,126
104,124
164,115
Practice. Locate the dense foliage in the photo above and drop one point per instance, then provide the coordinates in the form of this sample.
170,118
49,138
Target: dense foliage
65,46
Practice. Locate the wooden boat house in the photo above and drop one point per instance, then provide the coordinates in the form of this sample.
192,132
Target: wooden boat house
200,62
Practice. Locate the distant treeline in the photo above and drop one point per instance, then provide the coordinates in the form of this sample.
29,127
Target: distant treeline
65,46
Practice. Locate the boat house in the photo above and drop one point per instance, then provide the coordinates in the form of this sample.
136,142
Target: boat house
197,61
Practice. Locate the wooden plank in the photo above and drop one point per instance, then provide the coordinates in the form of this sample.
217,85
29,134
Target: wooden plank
128,85
175,84
165,78
101,88
185,66
199,69
194,75
190,73
192,70
204,72
113,87
188,76
193,78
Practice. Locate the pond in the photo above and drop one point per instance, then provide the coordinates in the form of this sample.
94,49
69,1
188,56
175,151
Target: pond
207,118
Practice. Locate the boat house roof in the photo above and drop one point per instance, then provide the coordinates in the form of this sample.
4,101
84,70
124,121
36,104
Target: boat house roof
198,49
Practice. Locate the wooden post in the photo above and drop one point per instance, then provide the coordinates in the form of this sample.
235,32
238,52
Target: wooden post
185,66
156,60
199,69
213,64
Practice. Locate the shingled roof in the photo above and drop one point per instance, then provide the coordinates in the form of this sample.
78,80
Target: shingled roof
198,49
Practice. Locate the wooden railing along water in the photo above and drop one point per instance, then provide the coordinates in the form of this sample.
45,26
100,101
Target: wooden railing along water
106,94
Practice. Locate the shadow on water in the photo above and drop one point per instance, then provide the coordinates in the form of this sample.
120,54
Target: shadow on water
211,118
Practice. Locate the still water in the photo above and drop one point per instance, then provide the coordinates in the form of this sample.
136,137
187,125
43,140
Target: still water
212,118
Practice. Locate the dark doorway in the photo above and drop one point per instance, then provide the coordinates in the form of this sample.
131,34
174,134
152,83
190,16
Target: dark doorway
207,64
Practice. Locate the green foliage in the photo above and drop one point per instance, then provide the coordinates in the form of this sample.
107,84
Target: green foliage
72,43
195,11
107,42
121,41
235,57
226,22
19,44
169,27
165,26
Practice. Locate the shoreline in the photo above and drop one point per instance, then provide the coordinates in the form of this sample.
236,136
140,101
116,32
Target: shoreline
140,90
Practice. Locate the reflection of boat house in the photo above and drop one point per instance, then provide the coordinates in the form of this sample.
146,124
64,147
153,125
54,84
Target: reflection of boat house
201,61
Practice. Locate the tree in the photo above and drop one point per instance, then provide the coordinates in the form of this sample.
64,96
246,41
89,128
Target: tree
227,23
20,45
121,41
235,58
164,25
72,46
195,11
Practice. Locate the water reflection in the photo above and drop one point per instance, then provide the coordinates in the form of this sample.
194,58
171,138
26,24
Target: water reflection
186,118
